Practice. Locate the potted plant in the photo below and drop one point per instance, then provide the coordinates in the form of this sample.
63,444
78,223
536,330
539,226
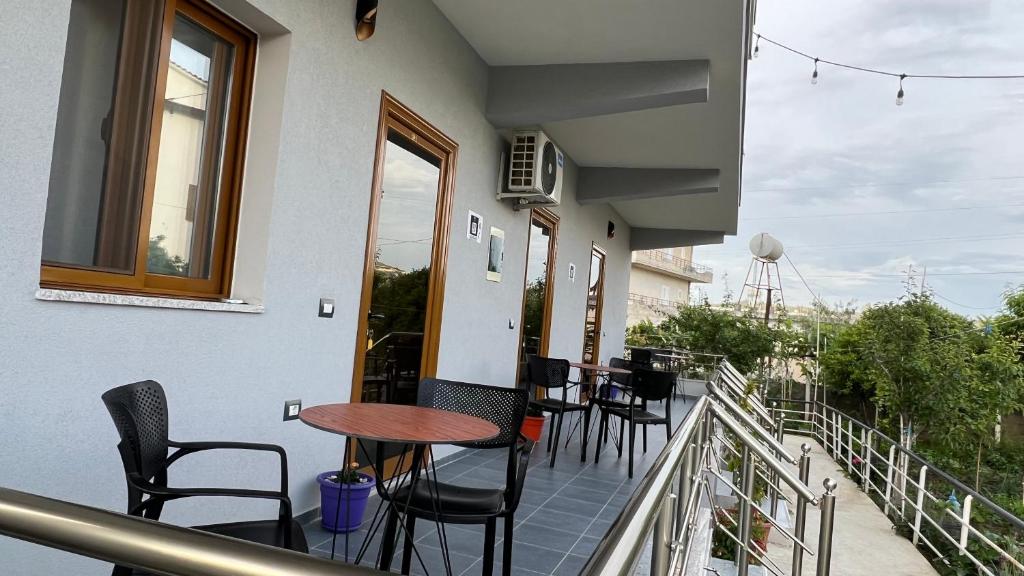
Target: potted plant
724,547
343,496
533,424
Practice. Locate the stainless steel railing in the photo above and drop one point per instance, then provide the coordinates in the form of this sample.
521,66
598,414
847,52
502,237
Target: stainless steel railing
911,490
675,500
151,546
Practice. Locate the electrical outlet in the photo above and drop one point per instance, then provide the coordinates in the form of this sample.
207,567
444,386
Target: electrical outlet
292,409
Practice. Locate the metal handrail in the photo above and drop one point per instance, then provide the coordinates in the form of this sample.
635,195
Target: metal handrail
670,516
745,417
932,468
622,544
682,263
149,545
899,489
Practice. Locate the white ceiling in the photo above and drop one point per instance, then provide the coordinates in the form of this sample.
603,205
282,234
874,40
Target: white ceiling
706,135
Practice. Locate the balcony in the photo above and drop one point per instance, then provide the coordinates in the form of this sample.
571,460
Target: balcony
658,261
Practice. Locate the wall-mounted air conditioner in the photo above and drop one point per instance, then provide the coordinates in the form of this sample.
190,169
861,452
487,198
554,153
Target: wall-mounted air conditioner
534,169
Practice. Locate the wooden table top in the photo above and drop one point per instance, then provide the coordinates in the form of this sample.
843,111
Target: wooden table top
599,368
398,423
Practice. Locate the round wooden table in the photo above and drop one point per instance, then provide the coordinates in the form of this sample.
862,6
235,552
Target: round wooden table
412,426
398,423
599,368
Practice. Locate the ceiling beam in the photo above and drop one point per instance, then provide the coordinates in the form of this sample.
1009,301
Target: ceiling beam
604,185
520,96
653,238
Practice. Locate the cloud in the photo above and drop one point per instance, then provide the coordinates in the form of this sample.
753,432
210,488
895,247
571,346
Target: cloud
813,149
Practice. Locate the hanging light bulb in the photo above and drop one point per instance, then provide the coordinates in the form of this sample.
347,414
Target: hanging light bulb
899,95
814,77
757,45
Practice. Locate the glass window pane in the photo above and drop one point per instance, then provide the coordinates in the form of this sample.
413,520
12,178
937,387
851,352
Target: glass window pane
401,278
535,298
99,153
188,175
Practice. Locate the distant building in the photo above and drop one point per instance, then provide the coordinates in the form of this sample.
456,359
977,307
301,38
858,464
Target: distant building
660,281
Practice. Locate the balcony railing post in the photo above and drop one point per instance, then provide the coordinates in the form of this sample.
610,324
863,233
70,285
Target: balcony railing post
920,503
888,478
779,435
868,450
837,432
661,549
965,523
801,510
686,474
849,447
828,511
744,528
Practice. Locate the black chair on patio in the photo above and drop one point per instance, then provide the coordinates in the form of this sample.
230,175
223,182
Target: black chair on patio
454,504
614,385
139,412
645,385
641,356
552,374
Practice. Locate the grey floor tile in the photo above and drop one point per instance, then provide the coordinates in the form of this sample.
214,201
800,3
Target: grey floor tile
571,565
546,536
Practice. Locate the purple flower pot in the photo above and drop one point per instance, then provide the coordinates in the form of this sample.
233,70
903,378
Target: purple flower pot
353,499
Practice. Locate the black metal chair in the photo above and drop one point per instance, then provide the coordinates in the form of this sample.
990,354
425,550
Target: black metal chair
645,385
553,374
139,412
603,399
449,503
641,356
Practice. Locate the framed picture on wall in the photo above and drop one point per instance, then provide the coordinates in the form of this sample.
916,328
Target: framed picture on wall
495,254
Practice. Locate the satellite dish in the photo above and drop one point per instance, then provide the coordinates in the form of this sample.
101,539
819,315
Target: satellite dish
766,247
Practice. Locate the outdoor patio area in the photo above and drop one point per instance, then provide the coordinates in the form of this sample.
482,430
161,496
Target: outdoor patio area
563,514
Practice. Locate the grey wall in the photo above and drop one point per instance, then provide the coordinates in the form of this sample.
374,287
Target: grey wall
227,374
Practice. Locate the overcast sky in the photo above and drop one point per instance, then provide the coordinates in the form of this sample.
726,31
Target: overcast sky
817,154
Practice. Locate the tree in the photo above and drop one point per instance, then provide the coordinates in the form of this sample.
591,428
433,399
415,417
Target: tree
929,372
709,330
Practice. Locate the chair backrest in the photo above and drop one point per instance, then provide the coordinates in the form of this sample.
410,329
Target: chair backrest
641,356
547,372
622,379
139,411
503,407
652,384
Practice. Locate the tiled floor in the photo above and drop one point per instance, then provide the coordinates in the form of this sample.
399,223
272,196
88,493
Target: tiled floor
563,514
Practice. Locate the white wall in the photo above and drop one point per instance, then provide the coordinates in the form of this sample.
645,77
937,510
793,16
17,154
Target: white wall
227,374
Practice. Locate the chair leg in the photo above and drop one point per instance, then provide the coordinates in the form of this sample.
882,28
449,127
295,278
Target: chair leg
410,525
645,439
632,446
602,425
551,431
622,434
586,430
488,562
558,437
506,551
387,542
668,430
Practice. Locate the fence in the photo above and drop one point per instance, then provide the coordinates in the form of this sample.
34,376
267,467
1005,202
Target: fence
912,492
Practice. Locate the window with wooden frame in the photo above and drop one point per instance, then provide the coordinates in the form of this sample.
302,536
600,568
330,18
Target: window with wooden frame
148,152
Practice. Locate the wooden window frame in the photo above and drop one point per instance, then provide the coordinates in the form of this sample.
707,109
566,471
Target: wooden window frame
550,220
396,116
140,281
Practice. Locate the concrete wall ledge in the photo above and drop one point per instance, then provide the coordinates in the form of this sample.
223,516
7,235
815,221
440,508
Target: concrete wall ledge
54,295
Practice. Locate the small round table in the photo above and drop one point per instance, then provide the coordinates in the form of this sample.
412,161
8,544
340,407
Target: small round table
414,426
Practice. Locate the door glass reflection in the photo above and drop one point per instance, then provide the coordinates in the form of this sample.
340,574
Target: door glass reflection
535,297
401,272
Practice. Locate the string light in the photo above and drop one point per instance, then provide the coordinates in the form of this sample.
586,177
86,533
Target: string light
900,76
